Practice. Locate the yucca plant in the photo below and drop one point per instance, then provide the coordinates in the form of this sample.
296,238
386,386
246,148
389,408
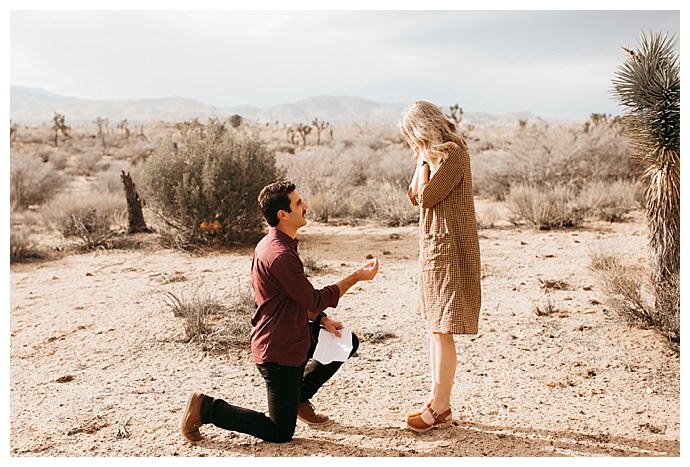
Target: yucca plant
648,85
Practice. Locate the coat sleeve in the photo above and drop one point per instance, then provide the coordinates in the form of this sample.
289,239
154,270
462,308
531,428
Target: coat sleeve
446,177
413,198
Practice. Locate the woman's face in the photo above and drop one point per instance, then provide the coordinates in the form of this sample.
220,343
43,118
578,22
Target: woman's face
410,142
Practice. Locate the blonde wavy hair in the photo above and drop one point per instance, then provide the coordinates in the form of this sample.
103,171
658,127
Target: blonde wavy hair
429,130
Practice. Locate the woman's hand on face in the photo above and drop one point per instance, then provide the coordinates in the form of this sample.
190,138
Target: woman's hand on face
414,183
423,177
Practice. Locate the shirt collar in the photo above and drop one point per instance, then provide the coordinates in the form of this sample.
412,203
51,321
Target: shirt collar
284,238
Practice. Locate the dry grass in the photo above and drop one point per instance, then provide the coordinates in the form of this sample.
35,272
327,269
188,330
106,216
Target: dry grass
212,323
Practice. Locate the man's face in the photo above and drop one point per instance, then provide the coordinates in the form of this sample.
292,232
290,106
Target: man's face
298,216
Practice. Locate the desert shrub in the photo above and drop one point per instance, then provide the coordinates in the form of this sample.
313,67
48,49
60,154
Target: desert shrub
327,180
543,208
32,181
23,248
630,293
355,182
312,266
96,219
546,306
610,201
491,176
487,219
55,156
554,155
214,323
86,163
391,204
212,176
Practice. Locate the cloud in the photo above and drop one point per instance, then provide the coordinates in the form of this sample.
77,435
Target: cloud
498,61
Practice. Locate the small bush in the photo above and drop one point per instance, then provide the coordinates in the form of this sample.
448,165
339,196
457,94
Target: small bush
544,208
546,306
214,323
23,249
391,204
213,175
355,182
95,219
624,285
610,201
487,219
542,154
32,181
630,294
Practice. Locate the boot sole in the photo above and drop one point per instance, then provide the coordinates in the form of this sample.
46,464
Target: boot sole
432,427
195,435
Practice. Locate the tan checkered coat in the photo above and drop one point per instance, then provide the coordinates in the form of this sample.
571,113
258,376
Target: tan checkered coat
449,280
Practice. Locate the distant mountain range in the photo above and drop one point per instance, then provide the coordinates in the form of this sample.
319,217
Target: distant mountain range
35,106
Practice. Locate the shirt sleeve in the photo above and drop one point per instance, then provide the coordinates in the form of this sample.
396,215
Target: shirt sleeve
288,271
441,184
413,198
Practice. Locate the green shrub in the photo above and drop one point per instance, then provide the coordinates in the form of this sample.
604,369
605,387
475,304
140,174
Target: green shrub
211,178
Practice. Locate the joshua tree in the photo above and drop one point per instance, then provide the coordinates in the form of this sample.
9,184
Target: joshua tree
59,126
303,131
320,126
141,133
291,134
124,127
648,85
455,114
102,124
298,129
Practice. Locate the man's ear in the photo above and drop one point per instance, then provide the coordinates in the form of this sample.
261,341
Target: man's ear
282,214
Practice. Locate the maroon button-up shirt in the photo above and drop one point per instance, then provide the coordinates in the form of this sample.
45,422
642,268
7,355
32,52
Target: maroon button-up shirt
280,326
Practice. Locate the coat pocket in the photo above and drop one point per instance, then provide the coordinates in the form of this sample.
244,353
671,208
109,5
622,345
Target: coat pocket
436,251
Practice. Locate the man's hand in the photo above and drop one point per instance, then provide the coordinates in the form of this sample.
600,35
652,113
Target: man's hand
332,325
368,271
363,273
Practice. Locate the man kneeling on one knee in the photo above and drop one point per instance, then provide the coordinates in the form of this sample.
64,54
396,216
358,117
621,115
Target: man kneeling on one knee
285,330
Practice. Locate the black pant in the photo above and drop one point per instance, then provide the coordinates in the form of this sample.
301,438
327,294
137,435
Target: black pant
285,387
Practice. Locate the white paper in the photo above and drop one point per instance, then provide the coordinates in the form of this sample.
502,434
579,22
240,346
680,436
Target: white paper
333,348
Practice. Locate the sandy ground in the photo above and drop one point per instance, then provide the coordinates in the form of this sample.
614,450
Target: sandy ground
99,366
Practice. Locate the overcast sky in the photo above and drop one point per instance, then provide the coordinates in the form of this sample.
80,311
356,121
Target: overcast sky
554,63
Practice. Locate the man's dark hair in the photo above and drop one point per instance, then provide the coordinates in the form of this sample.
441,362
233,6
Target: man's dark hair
273,198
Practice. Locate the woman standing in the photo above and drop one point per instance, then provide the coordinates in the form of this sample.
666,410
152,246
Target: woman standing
449,259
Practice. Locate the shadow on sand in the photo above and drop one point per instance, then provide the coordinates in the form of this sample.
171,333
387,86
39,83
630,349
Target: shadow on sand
463,439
